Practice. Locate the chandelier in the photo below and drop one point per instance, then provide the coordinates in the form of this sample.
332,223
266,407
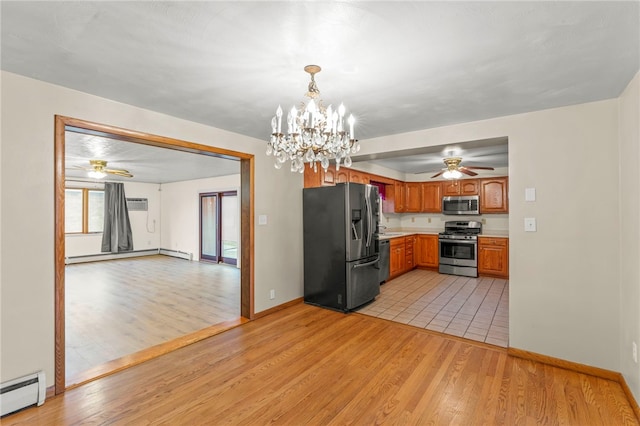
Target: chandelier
315,134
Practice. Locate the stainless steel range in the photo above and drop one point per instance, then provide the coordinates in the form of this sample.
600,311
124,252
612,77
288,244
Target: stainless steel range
458,248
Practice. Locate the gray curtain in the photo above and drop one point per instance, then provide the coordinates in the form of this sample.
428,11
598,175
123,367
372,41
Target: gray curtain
116,234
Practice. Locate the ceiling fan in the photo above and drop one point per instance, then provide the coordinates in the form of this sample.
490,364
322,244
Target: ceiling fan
454,170
98,170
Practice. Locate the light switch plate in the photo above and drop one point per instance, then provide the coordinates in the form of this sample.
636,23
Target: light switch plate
529,194
530,224
262,219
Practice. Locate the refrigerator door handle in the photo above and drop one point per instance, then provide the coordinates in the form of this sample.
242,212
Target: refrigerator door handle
361,265
367,202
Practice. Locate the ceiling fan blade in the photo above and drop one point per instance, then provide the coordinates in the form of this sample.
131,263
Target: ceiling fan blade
479,168
118,172
437,174
466,171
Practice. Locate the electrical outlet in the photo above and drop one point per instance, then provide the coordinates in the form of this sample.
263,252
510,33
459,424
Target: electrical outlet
634,351
428,220
272,294
413,219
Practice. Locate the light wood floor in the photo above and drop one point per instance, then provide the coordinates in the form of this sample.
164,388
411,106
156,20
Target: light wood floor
310,366
473,308
118,307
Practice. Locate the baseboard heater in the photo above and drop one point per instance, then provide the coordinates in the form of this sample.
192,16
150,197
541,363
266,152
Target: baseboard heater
22,393
110,256
176,253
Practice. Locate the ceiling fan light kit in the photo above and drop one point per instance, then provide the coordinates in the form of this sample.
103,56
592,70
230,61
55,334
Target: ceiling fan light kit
452,174
455,171
96,174
315,134
98,170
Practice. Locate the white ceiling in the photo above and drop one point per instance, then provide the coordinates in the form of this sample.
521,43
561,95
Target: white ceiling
399,66
147,163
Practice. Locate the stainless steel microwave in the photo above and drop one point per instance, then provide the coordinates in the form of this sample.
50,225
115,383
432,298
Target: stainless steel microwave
461,205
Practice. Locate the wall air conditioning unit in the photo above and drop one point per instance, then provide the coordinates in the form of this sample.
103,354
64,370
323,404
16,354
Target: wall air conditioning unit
137,204
22,392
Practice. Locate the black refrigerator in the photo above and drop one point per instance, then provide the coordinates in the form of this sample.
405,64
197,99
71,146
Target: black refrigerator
341,248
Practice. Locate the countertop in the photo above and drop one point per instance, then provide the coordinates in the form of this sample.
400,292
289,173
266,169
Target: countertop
389,234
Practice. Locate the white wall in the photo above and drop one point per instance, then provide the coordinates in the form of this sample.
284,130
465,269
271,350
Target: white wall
564,279
181,211
145,226
629,107
565,284
27,227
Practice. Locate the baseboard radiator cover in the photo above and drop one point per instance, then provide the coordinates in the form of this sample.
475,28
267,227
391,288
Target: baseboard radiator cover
110,256
22,392
177,253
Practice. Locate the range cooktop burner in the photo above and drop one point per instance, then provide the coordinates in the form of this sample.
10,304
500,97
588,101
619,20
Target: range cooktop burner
461,230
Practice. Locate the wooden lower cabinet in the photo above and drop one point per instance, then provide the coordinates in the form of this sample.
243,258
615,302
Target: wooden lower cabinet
402,256
409,247
426,251
493,257
397,257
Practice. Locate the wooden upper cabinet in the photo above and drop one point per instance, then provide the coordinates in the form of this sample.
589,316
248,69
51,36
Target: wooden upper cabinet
431,195
468,186
399,197
460,187
494,194
313,179
328,177
413,197
389,201
332,176
342,175
356,176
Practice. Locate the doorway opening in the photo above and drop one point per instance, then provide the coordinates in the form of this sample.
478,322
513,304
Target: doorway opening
245,255
218,227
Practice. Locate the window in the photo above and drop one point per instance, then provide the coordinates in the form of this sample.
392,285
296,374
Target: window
84,210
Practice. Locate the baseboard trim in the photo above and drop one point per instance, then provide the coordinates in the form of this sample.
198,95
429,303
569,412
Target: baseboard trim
630,397
51,392
580,368
278,308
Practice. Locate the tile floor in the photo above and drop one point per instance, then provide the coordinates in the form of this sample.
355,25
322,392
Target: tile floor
473,308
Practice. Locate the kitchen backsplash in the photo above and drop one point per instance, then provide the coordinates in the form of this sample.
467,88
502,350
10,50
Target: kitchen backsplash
497,222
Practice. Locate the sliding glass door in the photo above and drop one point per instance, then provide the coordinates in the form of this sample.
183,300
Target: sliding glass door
219,227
